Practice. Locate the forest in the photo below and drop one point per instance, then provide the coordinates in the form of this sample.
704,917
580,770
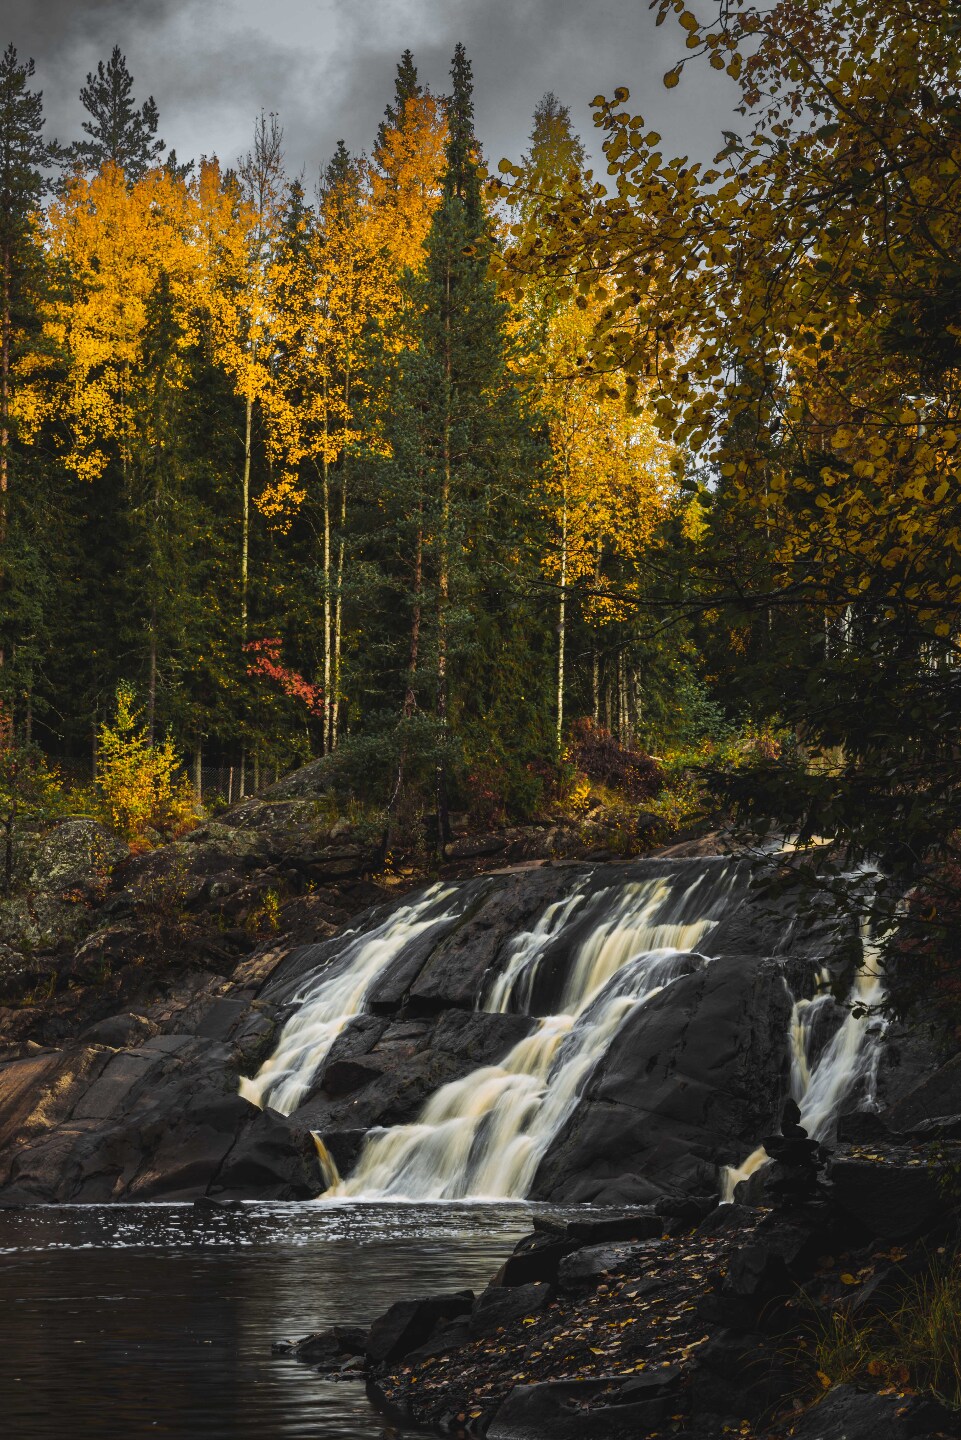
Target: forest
447,466
480,729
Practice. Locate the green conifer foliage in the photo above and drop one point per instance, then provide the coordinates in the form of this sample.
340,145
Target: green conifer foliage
119,132
459,433
24,158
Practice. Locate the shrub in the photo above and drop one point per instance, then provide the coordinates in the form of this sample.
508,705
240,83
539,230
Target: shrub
138,785
29,792
596,753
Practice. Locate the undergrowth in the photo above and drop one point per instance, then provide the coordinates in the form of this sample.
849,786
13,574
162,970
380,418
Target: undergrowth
914,1344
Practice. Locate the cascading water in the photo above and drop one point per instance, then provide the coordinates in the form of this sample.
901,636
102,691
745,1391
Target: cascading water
329,1003
593,957
484,1135
825,1075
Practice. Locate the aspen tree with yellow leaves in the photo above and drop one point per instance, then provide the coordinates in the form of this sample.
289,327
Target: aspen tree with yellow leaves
794,303
609,483
121,324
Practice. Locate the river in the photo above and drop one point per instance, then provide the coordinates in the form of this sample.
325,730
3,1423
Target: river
135,1320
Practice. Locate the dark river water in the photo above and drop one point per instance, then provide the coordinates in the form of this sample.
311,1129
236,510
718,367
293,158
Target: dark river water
158,1320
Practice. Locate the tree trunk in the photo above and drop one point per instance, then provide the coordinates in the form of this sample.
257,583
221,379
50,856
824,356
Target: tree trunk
410,692
152,682
5,338
199,767
443,584
327,617
562,629
245,542
338,610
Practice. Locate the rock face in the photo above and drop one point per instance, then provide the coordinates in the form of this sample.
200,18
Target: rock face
126,1086
690,1081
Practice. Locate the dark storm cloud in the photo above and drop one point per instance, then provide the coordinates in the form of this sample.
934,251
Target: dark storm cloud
326,66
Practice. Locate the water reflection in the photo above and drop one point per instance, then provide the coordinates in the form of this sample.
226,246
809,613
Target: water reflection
158,1320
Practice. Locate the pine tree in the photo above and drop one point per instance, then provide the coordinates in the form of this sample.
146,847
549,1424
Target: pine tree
458,429
24,155
119,133
406,87
556,153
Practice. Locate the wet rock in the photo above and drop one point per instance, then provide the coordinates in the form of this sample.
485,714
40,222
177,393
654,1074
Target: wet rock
536,1258
409,1324
939,1127
587,1267
894,1199
862,1127
344,1146
737,1376
408,1064
327,1349
638,1225
273,1159
849,1414
447,1337
938,1094
569,1410
690,1080
119,1031
344,1076
496,1307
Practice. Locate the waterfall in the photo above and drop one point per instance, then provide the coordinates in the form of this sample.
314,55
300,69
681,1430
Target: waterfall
824,1074
484,1135
327,1003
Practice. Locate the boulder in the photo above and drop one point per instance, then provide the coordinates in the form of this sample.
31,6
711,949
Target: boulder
536,1258
893,1198
496,1307
849,1414
573,1410
636,1225
585,1268
409,1323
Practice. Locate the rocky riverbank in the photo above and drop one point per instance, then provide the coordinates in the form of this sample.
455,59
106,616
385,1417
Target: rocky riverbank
135,991
695,1320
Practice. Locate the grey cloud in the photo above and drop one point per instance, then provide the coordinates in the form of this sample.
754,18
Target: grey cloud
327,66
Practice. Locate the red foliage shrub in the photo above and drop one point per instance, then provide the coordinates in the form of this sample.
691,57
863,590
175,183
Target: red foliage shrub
267,662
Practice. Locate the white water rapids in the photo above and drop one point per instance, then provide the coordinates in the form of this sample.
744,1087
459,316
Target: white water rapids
824,1076
483,1136
328,1004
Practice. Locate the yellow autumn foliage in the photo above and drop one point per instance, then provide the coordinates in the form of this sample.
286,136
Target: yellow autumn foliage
139,784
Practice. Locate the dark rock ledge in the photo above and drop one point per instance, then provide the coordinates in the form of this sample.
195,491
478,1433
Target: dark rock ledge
686,1319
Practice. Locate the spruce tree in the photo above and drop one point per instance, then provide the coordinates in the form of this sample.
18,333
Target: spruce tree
458,430
556,153
24,157
119,132
406,87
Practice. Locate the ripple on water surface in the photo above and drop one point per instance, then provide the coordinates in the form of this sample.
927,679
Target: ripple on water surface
117,1322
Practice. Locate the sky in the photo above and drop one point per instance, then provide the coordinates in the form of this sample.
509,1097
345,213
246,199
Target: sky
327,66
